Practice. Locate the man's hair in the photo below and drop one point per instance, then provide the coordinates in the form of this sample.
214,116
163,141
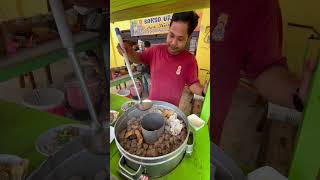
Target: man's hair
190,17
147,44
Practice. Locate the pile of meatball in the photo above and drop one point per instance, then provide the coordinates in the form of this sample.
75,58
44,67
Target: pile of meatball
131,139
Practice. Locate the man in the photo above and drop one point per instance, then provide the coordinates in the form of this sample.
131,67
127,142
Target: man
171,65
247,36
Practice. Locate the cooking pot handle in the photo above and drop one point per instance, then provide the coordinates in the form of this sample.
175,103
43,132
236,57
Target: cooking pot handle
132,176
190,143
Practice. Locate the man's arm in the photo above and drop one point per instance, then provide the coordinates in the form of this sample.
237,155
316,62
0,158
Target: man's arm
277,85
133,56
265,63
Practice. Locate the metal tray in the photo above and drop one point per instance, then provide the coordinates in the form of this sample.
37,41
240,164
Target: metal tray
47,136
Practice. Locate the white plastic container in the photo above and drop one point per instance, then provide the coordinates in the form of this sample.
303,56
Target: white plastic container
195,122
46,99
124,93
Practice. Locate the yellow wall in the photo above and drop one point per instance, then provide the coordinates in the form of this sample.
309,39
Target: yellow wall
203,49
116,59
295,39
10,9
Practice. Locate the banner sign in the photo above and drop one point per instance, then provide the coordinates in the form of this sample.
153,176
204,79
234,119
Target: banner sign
150,25
154,25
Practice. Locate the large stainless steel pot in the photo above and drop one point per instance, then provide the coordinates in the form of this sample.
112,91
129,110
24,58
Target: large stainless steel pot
151,166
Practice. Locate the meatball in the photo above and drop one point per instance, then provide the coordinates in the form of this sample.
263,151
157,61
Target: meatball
145,146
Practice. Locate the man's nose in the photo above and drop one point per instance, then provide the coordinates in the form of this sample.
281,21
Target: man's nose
174,42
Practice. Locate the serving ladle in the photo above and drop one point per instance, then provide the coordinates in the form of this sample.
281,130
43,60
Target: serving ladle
141,105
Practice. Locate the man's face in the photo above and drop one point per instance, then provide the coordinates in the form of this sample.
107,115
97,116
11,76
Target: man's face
177,37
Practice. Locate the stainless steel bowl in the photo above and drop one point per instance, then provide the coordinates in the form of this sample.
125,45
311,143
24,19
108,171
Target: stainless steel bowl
152,127
149,166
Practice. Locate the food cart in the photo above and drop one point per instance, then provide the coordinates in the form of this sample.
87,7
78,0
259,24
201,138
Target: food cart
194,166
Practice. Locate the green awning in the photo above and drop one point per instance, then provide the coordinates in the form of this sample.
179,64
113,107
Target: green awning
127,9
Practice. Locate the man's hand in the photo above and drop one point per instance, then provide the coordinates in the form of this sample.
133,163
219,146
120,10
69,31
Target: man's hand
196,88
278,86
127,48
308,71
132,55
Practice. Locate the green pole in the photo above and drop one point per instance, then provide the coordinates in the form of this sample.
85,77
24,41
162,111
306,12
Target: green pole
205,112
306,161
